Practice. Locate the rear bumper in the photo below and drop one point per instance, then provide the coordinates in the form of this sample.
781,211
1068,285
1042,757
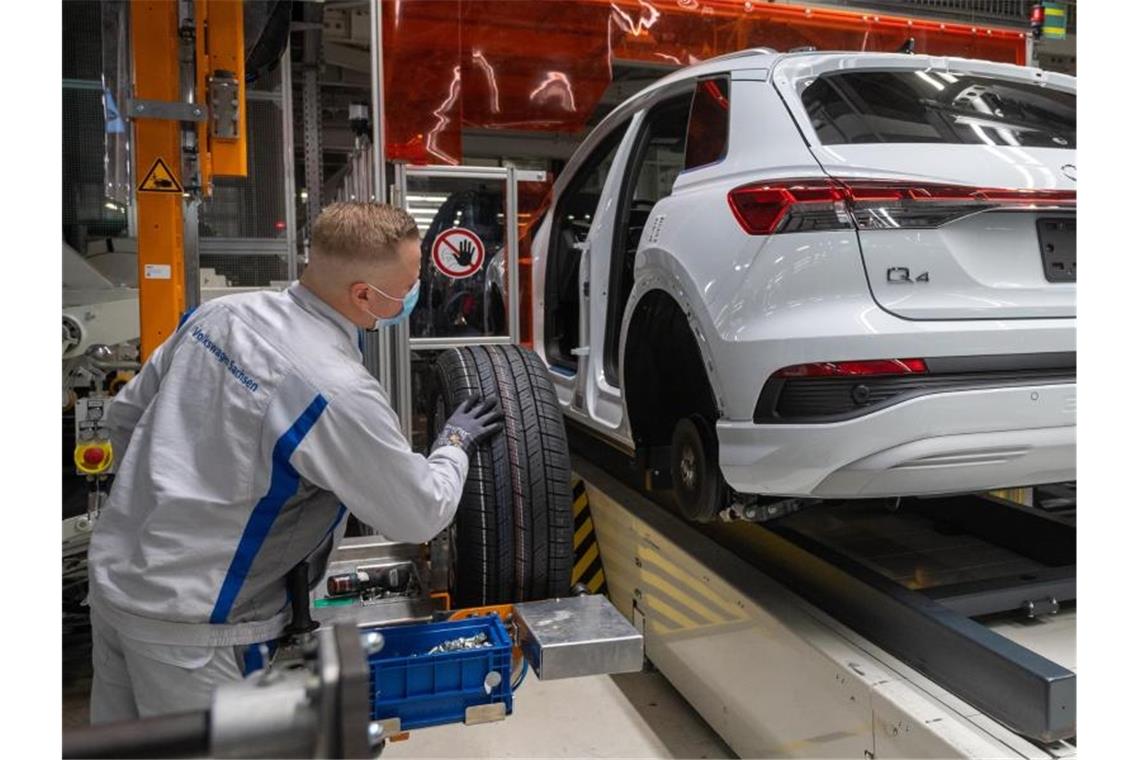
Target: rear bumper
940,443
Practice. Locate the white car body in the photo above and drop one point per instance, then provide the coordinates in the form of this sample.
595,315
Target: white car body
759,303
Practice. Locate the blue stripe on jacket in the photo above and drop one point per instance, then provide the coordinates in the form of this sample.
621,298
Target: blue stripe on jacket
252,660
283,484
186,316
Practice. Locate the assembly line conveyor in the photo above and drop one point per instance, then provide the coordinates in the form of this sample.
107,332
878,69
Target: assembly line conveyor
955,615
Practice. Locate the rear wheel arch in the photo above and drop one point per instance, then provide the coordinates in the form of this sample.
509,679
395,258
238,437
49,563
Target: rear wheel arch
667,371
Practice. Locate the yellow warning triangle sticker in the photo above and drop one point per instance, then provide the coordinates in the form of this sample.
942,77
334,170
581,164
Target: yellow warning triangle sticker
160,179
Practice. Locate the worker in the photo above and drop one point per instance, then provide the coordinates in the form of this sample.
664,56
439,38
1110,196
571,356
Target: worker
242,443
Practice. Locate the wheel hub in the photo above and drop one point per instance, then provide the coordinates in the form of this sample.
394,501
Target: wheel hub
688,468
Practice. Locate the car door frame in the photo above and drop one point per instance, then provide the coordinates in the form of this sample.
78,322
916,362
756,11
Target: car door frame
569,385
601,404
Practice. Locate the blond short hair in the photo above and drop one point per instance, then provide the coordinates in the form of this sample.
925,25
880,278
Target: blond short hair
361,232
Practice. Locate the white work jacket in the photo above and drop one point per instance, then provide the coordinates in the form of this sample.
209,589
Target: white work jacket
240,444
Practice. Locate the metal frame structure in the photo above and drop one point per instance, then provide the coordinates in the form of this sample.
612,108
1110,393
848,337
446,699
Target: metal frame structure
402,343
388,352
283,248
510,176
196,169
1017,687
392,342
376,42
1041,537
358,181
385,351
289,157
243,246
311,113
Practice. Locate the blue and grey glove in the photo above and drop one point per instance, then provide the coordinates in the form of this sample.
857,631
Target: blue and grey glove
472,422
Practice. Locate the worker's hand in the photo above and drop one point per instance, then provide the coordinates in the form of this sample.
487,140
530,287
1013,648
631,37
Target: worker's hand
472,422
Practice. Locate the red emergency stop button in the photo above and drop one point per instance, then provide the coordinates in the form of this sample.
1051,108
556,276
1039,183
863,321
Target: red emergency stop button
93,458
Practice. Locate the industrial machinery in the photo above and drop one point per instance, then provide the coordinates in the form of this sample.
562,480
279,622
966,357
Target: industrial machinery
919,627
381,664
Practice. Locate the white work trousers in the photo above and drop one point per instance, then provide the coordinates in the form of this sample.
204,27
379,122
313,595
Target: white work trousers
135,679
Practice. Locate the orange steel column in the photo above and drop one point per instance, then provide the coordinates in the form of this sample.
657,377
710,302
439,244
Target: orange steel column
162,298
225,50
220,45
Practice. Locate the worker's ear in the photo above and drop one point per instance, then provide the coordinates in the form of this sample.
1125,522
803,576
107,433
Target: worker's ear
358,292
358,296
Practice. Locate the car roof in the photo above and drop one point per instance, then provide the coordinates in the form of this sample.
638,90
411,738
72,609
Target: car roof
798,65
766,58
810,63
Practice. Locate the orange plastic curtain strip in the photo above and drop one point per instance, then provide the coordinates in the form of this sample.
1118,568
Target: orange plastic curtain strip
543,66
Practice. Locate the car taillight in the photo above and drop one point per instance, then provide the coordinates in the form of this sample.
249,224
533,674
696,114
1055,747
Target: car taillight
878,205
822,204
789,206
863,367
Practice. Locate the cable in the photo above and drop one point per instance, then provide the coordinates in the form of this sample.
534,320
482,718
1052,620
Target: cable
522,676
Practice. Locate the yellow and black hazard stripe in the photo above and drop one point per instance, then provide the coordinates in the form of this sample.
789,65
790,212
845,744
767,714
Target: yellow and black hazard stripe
587,556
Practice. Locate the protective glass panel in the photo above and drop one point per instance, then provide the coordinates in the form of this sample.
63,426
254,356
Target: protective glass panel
463,269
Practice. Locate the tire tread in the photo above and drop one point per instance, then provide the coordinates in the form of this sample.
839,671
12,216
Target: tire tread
514,525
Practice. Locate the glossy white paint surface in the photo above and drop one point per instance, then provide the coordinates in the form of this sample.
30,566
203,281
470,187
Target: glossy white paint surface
927,445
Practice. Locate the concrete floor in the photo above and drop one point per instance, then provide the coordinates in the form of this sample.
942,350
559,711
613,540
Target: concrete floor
629,715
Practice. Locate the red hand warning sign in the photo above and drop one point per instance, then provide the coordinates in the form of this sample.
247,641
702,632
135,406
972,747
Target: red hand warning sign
458,253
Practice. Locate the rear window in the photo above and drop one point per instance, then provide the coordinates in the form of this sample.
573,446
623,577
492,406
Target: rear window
915,106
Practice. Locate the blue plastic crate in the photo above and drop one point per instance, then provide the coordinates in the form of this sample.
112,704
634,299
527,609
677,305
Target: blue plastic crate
424,689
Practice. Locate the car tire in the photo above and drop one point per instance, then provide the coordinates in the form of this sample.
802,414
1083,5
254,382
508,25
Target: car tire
496,313
698,486
514,527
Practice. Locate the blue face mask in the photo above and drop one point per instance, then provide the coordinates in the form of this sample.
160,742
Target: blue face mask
409,299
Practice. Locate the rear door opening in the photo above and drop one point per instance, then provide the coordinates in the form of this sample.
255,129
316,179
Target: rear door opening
936,153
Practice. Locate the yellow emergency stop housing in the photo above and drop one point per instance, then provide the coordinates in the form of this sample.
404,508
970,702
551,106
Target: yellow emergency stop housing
91,463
